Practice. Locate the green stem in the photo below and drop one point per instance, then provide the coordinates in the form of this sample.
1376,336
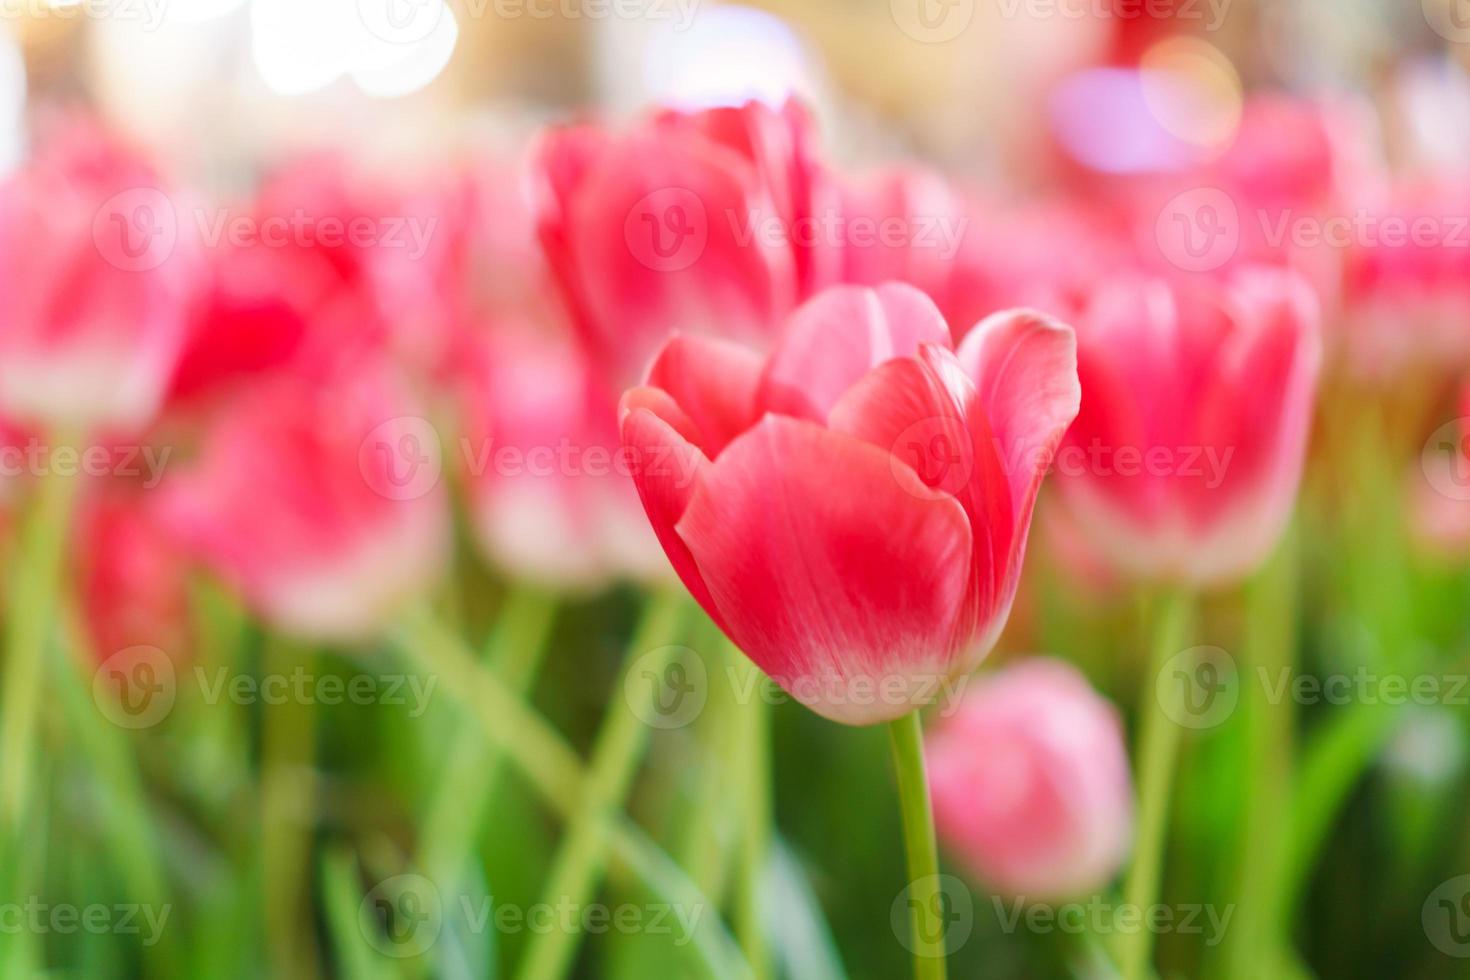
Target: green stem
1267,652
754,747
927,920
554,771
1158,748
578,866
287,803
31,615
516,649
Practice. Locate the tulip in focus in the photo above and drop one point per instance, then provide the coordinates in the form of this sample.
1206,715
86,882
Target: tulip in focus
1030,782
99,268
319,498
1184,461
853,510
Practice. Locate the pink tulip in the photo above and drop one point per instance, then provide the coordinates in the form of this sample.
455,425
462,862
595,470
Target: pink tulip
99,264
132,578
685,222
853,509
1030,782
1185,458
547,480
319,497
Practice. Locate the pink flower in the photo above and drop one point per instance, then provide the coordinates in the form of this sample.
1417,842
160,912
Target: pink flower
547,480
1184,461
1030,782
685,222
319,497
844,509
99,264
132,578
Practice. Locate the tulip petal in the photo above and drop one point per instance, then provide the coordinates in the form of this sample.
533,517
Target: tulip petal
667,466
841,335
834,571
924,412
713,381
1024,366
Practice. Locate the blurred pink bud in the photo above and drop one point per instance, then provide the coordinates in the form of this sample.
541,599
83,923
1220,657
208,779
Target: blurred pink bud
1030,782
99,263
1185,458
684,222
320,497
132,578
844,509
548,482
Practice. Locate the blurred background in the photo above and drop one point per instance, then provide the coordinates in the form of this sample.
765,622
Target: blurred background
255,770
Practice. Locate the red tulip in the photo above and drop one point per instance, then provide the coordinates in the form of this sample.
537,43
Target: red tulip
1185,458
319,497
132,578
853,510
1030,782
99,263
685,222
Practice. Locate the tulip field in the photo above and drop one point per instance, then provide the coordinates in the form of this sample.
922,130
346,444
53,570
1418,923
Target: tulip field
668,488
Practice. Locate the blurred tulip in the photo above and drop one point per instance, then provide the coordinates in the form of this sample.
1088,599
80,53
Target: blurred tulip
99,265
1406,283
132,577
1030,782
685,222
1184,461
319,497
548,484
853,510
